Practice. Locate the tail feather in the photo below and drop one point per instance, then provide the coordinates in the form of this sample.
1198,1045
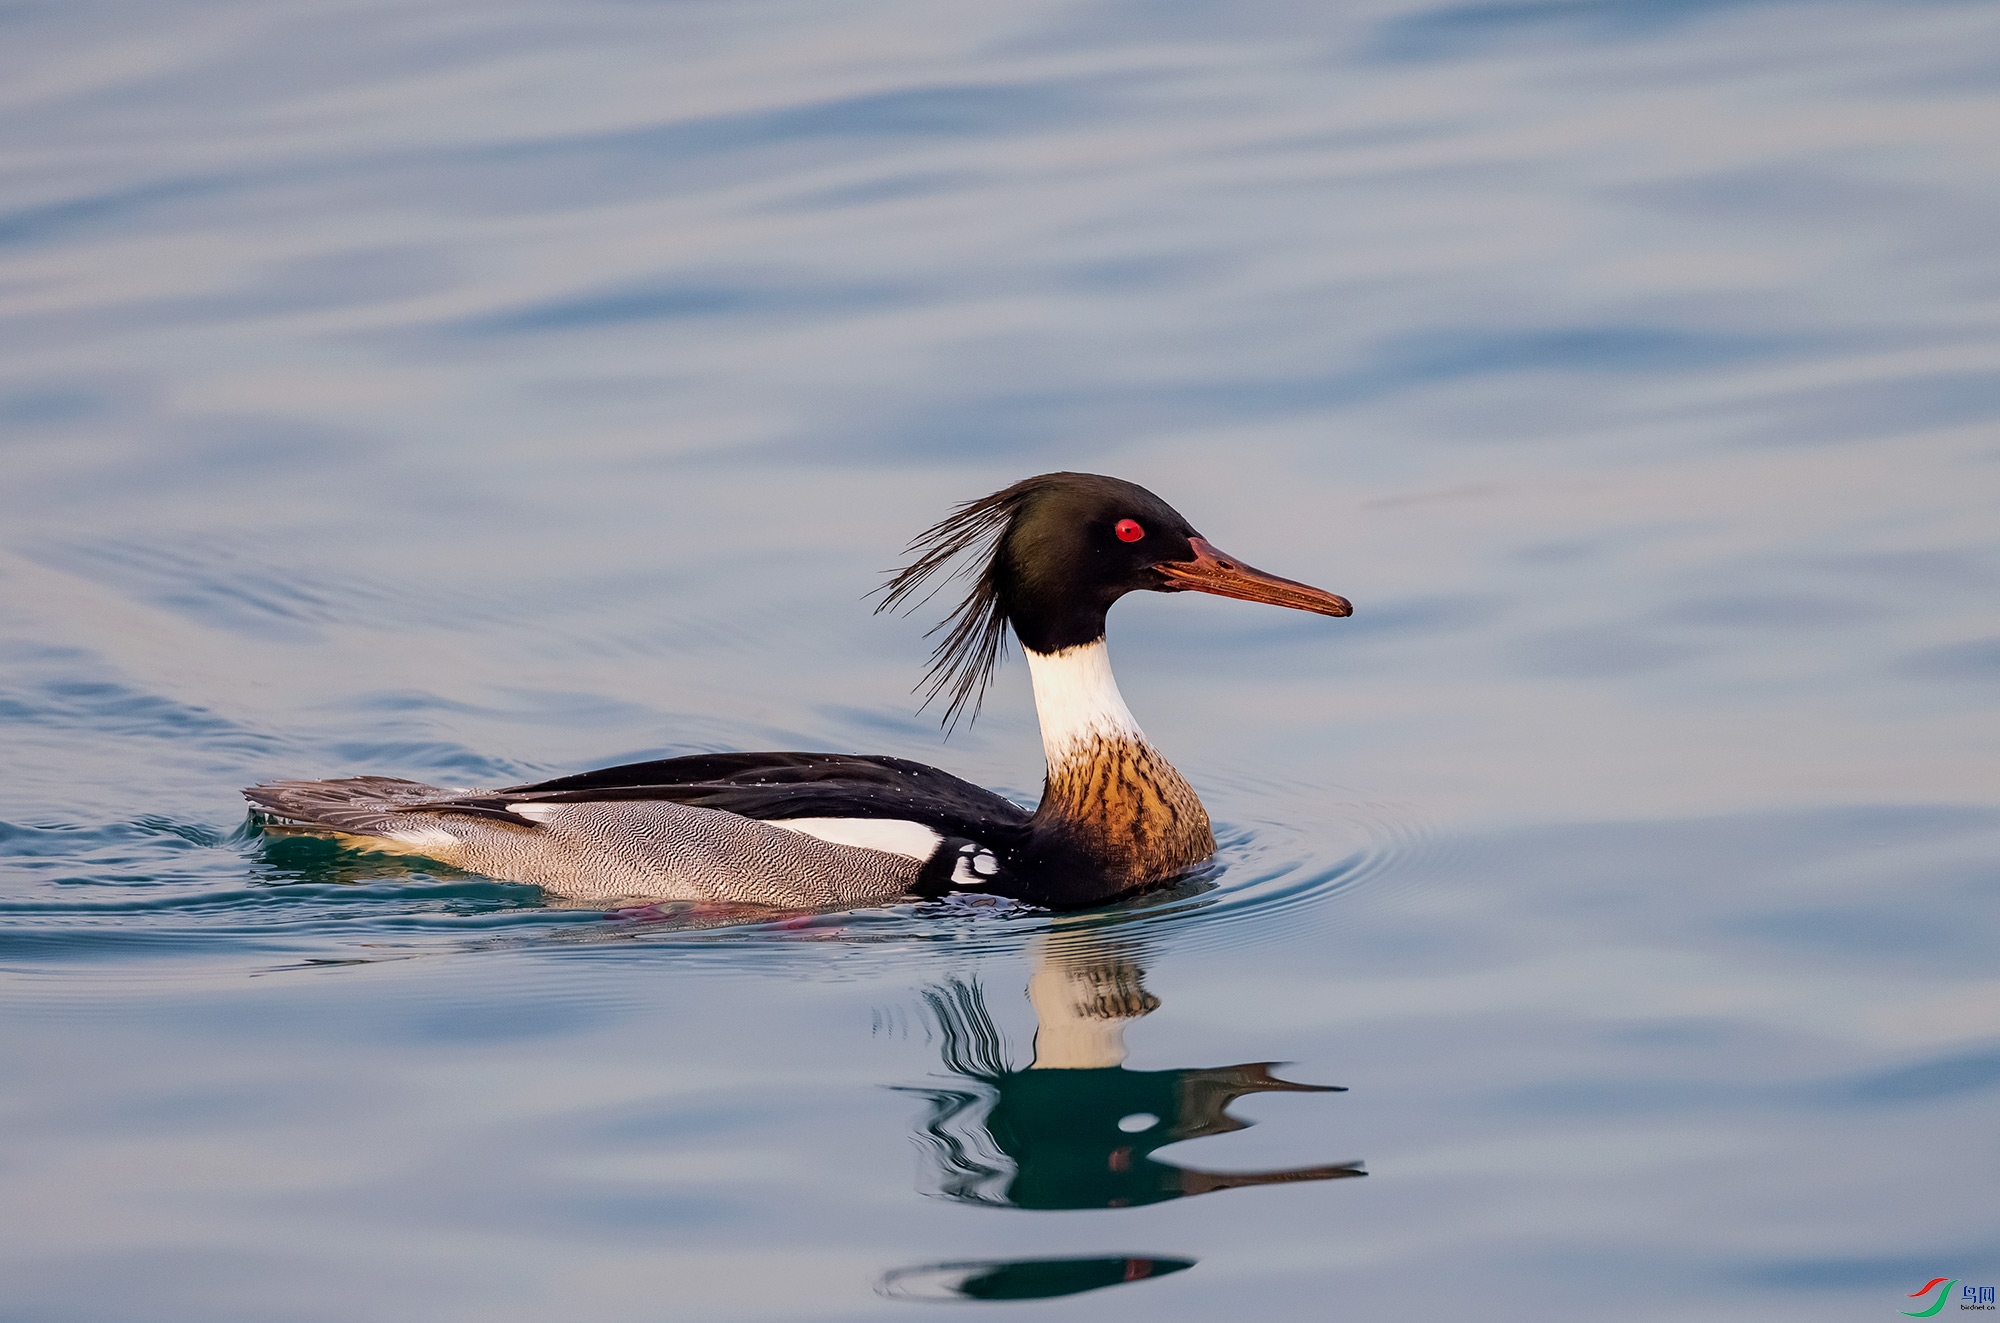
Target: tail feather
359,805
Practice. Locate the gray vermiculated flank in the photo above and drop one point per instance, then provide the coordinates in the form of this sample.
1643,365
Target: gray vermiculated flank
628,849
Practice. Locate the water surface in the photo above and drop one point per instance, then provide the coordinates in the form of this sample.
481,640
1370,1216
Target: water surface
480,392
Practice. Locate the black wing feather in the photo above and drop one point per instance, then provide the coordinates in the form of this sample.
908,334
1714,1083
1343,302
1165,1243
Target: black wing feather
788,785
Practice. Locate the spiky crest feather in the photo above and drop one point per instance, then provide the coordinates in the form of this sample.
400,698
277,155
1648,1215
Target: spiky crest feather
963,662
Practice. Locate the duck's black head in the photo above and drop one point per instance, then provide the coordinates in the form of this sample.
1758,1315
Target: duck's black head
1051,554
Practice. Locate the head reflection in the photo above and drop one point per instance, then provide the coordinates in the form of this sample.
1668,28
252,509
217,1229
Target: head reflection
1076,1128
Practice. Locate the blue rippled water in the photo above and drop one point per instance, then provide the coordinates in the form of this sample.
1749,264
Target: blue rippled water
472,392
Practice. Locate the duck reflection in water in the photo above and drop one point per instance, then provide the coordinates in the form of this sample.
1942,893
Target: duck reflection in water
1076,1128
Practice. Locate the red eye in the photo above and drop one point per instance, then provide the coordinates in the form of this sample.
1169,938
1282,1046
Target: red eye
1128,530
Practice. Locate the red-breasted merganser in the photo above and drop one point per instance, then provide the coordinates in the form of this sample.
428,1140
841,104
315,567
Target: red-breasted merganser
825,830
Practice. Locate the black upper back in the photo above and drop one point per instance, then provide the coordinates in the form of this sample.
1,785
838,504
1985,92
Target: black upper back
771,786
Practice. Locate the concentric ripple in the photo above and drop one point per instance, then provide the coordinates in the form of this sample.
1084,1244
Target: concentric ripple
157,888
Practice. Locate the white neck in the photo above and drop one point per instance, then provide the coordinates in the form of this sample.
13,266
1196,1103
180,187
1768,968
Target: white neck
1084,995
1067,1035
1078,700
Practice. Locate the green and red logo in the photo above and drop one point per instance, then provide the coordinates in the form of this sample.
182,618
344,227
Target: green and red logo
1936,1304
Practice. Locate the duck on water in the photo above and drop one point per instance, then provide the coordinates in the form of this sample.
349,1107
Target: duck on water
1046,557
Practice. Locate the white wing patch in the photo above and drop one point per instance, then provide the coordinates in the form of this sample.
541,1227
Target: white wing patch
911,839
974,867
533,812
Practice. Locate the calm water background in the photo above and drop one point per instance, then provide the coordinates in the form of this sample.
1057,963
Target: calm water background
479,391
